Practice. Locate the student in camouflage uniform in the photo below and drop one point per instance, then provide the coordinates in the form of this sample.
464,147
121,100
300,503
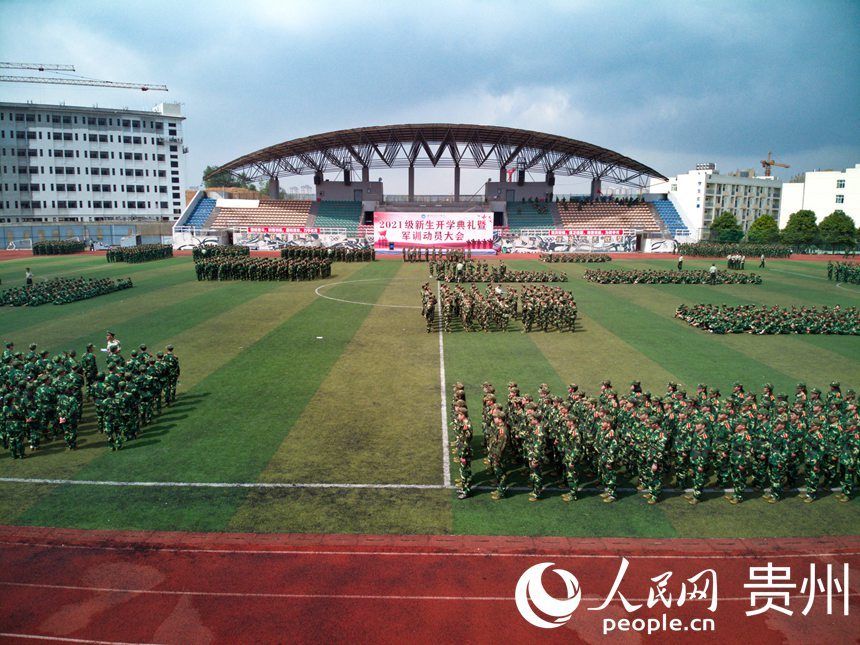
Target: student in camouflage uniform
578,258
42,397
236,267
766,319
459,271
849,457
548,308
813,452
140,253
844,272
654,276
497,444
60,291
173,371
463,443
650,440
700,449
779,448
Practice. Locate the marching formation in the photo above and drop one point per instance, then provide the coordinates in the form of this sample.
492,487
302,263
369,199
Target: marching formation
721,250
61,291
469,271
761,319
235,267
844,272
336,253
142,253
538,306
58,247
575,257
416,254
763,441
653,276
205,251
43,396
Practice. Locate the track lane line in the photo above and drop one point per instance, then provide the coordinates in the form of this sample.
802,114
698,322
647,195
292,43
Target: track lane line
65,639
143,547
341,596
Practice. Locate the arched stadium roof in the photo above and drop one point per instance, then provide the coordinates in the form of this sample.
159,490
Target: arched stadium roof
444,145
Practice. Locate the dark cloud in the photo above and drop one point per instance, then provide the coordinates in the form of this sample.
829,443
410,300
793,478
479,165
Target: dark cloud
721,80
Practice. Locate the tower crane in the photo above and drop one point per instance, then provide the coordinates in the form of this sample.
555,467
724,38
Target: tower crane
41,67
46,67
769,163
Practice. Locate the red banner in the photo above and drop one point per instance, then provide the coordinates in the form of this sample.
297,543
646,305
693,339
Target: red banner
282,229
591,231
433,230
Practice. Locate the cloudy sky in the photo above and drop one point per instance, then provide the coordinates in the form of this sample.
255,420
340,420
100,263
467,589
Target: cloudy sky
667,83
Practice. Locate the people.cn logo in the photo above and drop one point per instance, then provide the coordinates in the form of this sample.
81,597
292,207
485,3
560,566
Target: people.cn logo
530,591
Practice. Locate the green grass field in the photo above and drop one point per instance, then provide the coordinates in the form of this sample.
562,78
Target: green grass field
282,385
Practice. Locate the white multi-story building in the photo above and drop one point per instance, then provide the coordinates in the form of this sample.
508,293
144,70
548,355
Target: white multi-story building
60,163
823,191
703,194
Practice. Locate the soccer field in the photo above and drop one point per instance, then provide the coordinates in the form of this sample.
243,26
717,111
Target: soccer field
315,407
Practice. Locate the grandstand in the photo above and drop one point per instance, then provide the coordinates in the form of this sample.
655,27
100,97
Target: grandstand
671,218
202,212
531,215
334,214
268,212
637,216
519,205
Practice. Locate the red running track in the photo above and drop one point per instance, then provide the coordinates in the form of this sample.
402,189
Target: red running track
65,585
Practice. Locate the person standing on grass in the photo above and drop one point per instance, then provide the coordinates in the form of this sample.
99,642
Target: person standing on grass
713,273
112,341
680,263
28,277
761,262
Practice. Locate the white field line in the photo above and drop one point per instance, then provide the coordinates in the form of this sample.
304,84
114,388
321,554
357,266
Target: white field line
443,393
139,548
325,596
330,485
168,484
357,302
839,285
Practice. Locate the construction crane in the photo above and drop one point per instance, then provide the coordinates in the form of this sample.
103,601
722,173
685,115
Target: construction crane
41,67
769,163
143,87
47,67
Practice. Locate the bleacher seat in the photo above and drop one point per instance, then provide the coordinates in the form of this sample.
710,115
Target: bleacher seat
269,212
608,215
530,215
671,218
335,214
201,213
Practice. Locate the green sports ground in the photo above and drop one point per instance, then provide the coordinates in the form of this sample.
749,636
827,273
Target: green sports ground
334,386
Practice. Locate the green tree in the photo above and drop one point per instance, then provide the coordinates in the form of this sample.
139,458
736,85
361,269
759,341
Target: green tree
725,228
837,230
764,230
264,190
226,179
801,229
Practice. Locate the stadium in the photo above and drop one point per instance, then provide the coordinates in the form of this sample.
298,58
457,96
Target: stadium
352,413
525,215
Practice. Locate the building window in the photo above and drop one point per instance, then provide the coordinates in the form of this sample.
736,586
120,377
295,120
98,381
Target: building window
840,183
840,199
